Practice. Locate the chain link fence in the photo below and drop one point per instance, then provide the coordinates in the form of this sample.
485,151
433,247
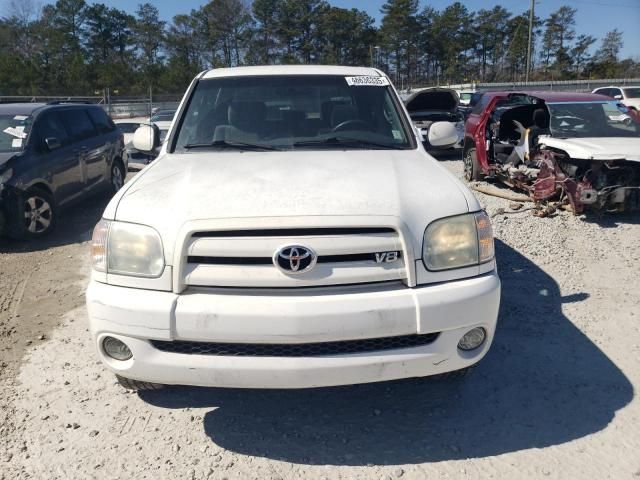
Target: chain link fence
116,106
583,86
121,107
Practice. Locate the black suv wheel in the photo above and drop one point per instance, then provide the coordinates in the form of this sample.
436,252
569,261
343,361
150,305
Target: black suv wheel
36,214
117,176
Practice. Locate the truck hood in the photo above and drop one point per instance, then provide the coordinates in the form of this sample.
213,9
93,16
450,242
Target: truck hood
178,188
439,99
598,148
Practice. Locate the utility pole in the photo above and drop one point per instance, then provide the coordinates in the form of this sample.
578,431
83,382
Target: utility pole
528,72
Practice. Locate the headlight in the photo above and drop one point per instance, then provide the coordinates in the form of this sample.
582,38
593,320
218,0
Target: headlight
460,241
127,249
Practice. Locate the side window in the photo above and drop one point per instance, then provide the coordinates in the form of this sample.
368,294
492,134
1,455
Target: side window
479,107
615,92
100,119
49,125
78,123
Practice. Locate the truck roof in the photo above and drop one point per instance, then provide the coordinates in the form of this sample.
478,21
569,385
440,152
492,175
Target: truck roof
291,70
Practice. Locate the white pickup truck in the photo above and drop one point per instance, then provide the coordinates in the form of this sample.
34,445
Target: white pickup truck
292,233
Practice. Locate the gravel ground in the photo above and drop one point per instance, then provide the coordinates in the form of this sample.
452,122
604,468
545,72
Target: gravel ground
554,398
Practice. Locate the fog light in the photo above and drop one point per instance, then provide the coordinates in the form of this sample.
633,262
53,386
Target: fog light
116,349
472,339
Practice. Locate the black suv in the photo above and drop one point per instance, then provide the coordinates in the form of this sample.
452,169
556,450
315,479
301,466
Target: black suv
50,156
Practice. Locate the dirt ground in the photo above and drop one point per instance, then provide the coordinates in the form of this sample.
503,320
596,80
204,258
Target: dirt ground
554,398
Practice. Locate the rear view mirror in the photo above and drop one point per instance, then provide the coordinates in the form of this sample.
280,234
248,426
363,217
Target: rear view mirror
52,143
442,134
146,138
618,97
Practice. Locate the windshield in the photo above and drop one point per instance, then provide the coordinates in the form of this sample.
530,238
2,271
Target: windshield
293,112
592,119
632,92
14,130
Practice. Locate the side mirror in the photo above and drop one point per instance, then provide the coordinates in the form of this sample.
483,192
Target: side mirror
146,138
52,143
618,97
443,134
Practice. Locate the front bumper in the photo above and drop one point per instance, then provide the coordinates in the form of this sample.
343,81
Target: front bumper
313,315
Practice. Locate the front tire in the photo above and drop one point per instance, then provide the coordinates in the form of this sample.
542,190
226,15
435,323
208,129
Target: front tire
36,214
472,169
117,176
137,385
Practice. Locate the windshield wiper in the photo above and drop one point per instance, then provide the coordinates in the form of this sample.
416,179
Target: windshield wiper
348,141
231,145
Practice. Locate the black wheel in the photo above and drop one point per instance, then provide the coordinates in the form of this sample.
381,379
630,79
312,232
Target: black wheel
117,176
472,169
137,385
36,214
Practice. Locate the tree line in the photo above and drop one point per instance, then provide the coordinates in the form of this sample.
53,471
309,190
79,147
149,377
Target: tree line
72,47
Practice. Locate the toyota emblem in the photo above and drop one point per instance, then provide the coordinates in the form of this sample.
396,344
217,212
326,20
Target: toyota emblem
294,259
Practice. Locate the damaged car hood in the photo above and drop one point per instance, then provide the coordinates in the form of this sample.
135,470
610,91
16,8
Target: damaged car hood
433,99
598,148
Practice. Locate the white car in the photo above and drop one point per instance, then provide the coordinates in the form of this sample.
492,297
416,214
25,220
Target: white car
434,112
138,160
629,96
128,127
465,96
292,233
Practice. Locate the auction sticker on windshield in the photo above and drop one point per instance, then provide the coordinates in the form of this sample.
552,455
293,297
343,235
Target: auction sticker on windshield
366,81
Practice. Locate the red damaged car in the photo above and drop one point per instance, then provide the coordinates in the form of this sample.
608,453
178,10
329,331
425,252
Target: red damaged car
576,148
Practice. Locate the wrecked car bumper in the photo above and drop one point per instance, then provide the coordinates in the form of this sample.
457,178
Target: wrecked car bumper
177,338
610,186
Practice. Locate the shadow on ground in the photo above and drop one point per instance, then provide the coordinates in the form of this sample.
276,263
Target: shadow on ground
611,220
75,225
543,383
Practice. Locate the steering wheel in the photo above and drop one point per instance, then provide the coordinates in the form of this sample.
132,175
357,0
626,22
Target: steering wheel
351,125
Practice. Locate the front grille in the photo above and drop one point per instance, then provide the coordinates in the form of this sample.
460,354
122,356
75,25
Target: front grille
296,350
351,257
245,258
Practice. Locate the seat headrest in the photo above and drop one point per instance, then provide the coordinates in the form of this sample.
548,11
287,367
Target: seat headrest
540,118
